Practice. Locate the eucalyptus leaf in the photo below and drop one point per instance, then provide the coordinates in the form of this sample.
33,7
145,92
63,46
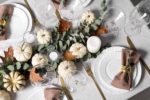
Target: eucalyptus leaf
74,39
58,36
26,66
11,67
18,65
81,35
55,66
2,72
64,34
64,47
87,29
89,55
41,47
50,48
68,42
98,21
60,44
94,26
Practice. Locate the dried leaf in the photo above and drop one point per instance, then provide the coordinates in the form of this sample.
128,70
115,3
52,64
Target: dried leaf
8,56
68,56
101,30
64,25
9,53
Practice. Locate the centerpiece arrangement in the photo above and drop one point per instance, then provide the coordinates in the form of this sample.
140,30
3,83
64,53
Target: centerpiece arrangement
57,49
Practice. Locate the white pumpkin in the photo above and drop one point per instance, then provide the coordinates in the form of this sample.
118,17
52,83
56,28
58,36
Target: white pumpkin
23,52
43,36
67,68
4,95
39,60
14,81
78,50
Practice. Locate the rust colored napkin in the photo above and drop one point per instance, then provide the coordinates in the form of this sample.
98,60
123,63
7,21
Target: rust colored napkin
5,14
53,94
123,79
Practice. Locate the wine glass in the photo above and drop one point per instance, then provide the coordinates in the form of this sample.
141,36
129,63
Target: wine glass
73,9
77,80
138,18
45,12
113,21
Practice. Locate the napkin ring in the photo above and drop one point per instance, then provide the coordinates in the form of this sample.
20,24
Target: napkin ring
126,69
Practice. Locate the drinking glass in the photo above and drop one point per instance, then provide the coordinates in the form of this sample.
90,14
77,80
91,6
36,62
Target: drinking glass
113,20
138,18
76,81
73,9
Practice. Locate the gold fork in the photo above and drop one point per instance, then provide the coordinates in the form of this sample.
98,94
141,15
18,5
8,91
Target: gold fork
90,73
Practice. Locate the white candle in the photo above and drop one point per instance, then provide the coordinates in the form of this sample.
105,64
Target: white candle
93,44
53,56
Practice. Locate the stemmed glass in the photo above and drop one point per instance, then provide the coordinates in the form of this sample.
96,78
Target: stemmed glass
113,20
73,9
138,18
77,80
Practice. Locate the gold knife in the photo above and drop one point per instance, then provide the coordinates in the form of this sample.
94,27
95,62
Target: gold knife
65,90
132,46
36,22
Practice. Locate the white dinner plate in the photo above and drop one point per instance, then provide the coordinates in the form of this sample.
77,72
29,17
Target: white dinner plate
21,22
108,65
39,94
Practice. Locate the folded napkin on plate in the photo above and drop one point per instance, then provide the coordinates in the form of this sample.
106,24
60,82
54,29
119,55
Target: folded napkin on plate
123,79
5,14
53,94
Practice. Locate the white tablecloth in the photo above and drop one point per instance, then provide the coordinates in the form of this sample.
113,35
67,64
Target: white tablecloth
89,91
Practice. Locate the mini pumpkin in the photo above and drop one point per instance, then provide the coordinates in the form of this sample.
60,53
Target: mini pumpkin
39,59
23,52
67,68
14,81
43,36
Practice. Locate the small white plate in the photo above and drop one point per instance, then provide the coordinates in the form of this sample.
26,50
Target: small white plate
108,65
21,22
39,94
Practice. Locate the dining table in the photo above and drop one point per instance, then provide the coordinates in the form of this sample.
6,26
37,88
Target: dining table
89,91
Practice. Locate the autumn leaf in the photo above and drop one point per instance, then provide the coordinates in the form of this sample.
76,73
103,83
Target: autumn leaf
101,30
64,25
8,56
68,56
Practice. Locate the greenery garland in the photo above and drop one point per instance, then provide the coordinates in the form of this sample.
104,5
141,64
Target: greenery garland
60,42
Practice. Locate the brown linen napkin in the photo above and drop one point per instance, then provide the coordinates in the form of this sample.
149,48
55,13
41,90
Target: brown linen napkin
5,14
53,94
123,79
